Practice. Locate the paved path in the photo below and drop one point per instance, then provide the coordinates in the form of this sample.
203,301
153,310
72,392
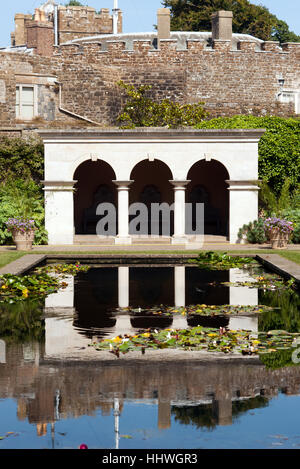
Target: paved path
282,266
23,264
150,247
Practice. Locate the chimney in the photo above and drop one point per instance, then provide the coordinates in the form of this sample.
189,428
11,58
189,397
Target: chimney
20,29
163,23
40,37
222,25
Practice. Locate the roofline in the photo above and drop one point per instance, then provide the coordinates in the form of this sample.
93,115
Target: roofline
152,133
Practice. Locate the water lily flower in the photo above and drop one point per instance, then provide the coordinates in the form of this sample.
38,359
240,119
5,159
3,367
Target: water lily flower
25,292
117,339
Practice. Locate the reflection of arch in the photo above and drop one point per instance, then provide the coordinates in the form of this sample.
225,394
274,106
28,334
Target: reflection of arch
96,295
208,186
94,186
151,185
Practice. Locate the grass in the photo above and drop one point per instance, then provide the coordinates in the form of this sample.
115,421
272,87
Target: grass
7,257
292,256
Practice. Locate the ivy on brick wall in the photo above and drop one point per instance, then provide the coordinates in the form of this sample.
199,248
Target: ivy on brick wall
279,147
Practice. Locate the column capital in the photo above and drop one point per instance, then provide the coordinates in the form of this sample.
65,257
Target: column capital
59,186
250,185
122,185
179,185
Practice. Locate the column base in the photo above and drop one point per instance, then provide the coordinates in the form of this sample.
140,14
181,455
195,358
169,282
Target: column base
123,240
179,239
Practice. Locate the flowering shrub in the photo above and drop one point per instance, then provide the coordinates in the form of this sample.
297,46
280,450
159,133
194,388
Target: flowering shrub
20,224
279,225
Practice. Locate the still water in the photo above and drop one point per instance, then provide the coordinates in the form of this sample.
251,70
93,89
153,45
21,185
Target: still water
50,399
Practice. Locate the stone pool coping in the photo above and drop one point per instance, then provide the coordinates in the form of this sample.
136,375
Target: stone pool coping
152,356
274,262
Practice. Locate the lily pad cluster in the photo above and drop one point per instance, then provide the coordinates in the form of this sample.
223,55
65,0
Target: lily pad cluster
17,288
63,269
200,339
202,310
265,282
41,283
211,260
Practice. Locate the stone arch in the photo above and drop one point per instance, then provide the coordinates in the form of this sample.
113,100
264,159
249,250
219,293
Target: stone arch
151,185
94,186
208,185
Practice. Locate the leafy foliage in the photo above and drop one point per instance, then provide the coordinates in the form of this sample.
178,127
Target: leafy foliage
201,310
73,3
214,261
15,288
266,282
284,313
62,269
21,198
22,322
279,146
247,18
141,110
200,338
254,232
21,158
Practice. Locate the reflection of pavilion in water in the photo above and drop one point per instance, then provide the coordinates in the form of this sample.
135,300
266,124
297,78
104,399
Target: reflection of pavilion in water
205,393
98,308
49,389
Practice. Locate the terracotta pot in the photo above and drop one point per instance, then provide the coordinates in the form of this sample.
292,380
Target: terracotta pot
279,240
23,241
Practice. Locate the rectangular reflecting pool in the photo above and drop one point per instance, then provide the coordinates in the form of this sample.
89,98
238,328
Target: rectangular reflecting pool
56,392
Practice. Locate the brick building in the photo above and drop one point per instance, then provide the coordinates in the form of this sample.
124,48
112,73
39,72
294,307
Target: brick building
61,71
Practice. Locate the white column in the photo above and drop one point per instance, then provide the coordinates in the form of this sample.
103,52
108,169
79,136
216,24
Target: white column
243,206
2,351
179,285
59,211
63,298
123,286
179,236
242,295
123,212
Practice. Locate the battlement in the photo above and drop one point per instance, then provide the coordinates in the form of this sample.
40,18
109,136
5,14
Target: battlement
73,22
76,22
114,46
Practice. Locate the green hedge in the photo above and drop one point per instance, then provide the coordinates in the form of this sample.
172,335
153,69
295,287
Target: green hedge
279,147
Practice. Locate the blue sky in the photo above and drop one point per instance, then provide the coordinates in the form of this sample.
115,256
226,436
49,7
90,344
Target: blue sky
139,15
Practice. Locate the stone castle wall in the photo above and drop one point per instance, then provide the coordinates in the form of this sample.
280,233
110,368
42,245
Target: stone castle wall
77,22
228,81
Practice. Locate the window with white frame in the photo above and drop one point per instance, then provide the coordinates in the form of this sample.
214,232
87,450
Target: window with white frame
25,102
287,96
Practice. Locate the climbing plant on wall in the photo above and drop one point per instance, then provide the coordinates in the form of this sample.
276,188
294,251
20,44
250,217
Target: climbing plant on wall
279,147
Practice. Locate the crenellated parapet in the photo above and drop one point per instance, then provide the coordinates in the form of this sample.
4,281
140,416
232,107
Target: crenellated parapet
165,46
82,21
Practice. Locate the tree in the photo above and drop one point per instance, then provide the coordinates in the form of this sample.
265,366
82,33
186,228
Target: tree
195,15
140,110
73,3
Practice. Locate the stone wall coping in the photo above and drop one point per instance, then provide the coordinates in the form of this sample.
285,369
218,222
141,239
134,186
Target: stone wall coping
154,132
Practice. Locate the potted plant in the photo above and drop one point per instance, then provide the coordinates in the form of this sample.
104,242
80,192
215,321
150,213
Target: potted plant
278,231
22,230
